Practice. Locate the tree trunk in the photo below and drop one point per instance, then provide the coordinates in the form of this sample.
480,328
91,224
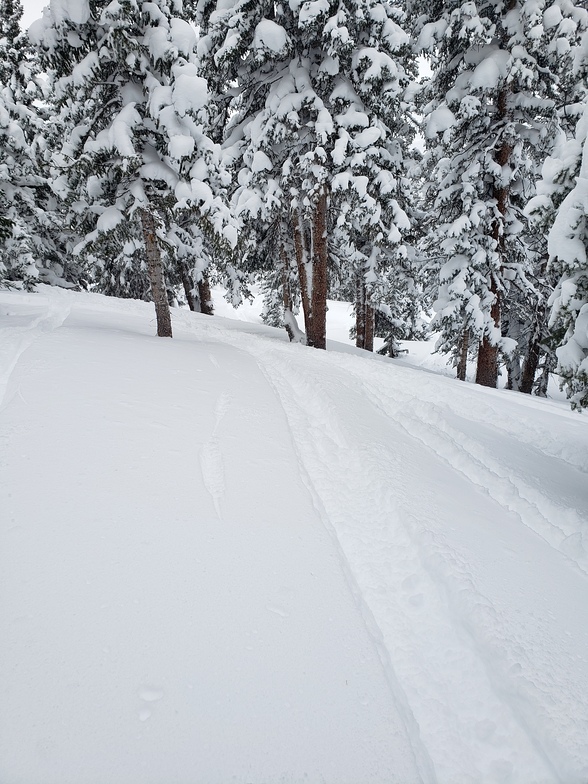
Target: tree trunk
286,295
318,338
370,318
156,277
487,370
205,296
187,284
543,380
462,365
360,312
301,252
533,354
531,364
364,317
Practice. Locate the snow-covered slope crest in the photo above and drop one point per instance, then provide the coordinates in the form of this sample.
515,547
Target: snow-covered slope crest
229,558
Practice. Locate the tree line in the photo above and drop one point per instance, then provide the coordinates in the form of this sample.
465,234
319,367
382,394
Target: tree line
413,157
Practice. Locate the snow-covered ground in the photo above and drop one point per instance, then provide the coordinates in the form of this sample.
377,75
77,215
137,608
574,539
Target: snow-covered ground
228,558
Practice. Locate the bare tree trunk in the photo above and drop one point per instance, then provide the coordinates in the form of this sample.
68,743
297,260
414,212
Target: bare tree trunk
487,370
286,294
156,277
187,284
301,258
530,364
205,297
543,380
462,365
364,317
318,339
533,353
360,312
370,318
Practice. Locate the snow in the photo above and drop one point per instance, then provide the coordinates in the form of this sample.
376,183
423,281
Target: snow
76,11
270,36
230,558
190,91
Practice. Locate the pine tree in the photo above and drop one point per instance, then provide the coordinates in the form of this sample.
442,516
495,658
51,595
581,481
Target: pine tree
558,212
136,157
314,125
29,236
483,107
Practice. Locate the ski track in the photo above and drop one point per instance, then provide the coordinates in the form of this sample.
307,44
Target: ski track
14,341
211,459
427,422
415,588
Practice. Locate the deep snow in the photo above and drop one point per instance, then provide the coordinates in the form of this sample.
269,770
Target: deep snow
228,558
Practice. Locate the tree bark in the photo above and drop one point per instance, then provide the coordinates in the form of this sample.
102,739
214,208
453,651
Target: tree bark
318,338
370,318
205,297
487,371
286,294
530,364
360,312
301,252
462,365
156,277
364,317
187,284
533,354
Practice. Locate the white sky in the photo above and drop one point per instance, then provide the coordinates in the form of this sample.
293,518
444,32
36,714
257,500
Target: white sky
32,10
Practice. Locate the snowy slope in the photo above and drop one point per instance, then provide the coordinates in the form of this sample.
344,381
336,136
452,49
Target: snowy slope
228,558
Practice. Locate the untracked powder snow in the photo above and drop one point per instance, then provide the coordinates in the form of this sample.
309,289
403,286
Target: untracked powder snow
228,558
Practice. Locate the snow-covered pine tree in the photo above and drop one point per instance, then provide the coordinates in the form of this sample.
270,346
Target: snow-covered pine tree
27,229
482,106
132,109
561,206
316,95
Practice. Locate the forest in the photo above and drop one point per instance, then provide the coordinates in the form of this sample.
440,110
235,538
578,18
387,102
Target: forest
427,161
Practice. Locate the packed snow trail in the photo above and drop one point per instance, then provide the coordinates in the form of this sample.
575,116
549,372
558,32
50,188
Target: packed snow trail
227,558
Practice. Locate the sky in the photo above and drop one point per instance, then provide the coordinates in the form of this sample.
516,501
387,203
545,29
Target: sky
32,10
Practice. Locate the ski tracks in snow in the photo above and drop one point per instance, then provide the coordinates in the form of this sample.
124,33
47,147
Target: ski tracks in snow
211,459
464,711
15,340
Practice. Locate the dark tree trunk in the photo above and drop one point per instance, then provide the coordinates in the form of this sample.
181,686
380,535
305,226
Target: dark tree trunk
543,380
462,364
364,317
370,318
205,296
487,370
187,284
286,294
302,254
531,364
533,354
318,338
156,277
360,312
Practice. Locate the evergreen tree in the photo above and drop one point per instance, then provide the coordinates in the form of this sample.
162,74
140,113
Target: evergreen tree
135,156
315,103
559,210
29,231
483,107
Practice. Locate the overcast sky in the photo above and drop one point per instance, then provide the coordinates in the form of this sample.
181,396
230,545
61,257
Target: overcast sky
32,10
